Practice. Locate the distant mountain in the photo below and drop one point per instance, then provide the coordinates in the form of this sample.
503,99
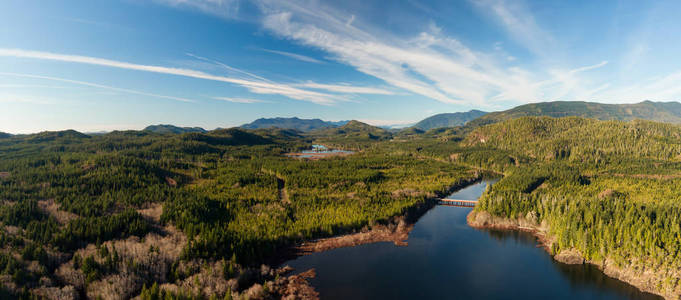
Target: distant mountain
230,136
166,129
408,132
277,134
4,135
65,136
669,112
449,119
93,133
292,123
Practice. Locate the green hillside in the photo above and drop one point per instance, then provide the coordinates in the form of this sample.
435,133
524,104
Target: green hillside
171,129
449,119
669,112
230,199
4,135
605,189
79,210
353,133
291,123
581,140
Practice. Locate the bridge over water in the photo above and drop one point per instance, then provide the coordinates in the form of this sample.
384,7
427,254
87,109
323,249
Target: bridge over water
458,202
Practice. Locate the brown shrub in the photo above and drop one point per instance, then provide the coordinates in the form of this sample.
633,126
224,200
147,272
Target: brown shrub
153,212
54,293
147,259
51,208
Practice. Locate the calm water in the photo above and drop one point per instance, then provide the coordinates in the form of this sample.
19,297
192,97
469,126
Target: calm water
446,259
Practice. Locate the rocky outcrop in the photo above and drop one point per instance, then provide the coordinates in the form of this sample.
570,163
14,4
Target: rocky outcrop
570,257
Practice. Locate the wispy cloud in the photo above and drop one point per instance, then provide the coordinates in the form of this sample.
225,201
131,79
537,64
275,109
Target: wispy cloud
588,68
30,86
428,63
663,88
227,67
223,8
101,86
295,56
519,22
347,89
14,98
241,100
258,87
98,23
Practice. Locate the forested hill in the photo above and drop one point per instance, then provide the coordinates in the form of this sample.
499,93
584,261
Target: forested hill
166,129
94,216
65,136
606,190
669,112
292,123
581,140
449,119
352,134
4,135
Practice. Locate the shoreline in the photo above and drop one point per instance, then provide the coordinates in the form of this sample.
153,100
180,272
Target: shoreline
484,220
395,230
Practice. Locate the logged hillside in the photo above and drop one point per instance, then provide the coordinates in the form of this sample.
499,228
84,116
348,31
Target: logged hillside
171,129
449,119
669,112
291,123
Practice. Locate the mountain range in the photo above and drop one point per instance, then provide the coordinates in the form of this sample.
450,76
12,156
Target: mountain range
449,119
166,129
292,123
668,112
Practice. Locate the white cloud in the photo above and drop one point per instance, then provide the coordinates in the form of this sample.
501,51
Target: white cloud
227,67
295,56
350,20
664,88
588,68
258,87
431,63
101,86
241,100
346,89
30,86
14,98
428,63
520,23
222,8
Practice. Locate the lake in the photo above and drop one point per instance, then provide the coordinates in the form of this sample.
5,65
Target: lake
447,259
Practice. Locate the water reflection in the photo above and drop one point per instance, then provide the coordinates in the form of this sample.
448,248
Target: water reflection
580,276
447,259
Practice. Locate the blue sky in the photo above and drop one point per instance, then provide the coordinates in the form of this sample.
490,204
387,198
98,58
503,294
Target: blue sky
105,65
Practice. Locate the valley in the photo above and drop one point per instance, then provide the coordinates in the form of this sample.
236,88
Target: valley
215,213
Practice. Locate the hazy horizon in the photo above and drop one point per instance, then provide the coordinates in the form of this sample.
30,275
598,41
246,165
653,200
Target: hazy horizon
199,63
